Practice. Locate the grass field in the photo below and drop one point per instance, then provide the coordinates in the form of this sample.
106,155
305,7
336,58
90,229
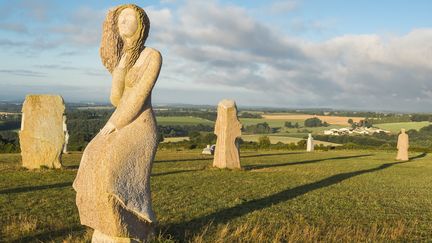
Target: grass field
396,127
272,123
335,120
343,196
284,139
182,120
175,139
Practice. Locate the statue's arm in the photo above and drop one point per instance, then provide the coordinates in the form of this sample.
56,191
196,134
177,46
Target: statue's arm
117,87
130,105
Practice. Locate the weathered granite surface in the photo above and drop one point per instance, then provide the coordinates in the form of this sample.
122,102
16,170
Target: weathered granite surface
402,146
113,180
227,130
310,143
41,136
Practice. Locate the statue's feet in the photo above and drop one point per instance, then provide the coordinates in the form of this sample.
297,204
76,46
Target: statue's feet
99,237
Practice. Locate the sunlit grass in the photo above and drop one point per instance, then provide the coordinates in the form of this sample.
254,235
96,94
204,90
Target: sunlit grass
278,196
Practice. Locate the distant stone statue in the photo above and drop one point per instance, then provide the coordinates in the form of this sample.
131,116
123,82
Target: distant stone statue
209,150
402,146
41,136
310,144
227,130
66,133
113,180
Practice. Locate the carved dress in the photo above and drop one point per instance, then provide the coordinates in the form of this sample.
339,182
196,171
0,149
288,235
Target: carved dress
113,180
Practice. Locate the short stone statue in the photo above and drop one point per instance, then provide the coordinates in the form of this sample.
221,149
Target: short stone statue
41,136
66,133
227,130
402,146
208,150
310,143
113,180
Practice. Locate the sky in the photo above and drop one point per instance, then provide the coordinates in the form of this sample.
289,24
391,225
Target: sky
355,55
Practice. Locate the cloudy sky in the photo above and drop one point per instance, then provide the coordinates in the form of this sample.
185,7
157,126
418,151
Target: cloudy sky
359,54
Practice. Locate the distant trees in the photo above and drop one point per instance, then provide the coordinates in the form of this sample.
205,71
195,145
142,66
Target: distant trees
9,142
208,115
10,125
249,115
289,124
362,123
202,138
260,128
421,117
315,122
264,142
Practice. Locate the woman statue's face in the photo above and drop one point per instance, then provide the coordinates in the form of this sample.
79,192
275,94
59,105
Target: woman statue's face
127,22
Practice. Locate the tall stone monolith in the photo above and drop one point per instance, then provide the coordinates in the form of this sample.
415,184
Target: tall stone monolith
41,136
310,143
227,130
66,133
402,146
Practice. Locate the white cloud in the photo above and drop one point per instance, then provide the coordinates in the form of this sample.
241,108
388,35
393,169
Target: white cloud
220,50
225,46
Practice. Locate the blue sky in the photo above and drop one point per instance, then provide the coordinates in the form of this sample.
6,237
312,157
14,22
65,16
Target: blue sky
370,55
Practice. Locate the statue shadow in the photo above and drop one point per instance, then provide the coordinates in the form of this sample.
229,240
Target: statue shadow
211,158
35,188
183,160
70,167
174,172
267,155
262,166
184,229
48,235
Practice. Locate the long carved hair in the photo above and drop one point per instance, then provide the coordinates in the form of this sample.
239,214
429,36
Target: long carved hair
113,46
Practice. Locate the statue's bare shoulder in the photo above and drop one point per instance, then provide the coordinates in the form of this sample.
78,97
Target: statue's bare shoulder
151,53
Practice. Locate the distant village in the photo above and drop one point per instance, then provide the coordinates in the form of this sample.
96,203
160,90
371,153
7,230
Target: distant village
357,130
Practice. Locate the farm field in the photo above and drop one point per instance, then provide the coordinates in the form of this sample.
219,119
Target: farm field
283,139
335,120
174,139
182,120
396,127
290,196
272,123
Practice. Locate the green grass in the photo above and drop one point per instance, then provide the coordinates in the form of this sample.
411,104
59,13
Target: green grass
396,127
175,139
290,196
182,120
272,123
283,139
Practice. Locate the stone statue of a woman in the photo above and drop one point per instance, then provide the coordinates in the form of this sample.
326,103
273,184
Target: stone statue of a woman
113,180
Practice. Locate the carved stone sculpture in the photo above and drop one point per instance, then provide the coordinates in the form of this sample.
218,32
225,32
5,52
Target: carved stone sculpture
402,146
41,135
310,144
227,130
113,180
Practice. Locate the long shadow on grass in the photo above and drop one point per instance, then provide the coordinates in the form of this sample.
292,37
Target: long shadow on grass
211,158
35,188
48,236
174,172
261,166
194,226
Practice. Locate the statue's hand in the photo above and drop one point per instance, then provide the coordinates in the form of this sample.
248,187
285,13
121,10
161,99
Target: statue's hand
122,63
108,128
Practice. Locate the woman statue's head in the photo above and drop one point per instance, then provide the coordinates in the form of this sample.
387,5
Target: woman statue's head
125,30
